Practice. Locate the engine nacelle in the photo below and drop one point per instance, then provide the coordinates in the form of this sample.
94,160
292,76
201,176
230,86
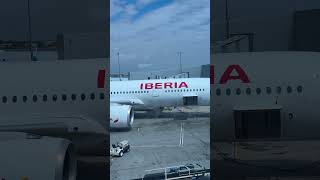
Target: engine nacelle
121,116
34,157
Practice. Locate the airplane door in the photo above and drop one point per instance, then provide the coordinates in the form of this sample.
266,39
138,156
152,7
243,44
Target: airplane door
190,100
257,124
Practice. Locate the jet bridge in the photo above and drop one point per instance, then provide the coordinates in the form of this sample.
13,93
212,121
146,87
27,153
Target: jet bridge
176,172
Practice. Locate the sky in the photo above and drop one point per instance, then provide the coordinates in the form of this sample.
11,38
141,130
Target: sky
148,34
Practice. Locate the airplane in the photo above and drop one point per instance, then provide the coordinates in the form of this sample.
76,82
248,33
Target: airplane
265,95
51,112
125,96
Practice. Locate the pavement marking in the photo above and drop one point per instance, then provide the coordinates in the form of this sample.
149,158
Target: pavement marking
154,146
181,134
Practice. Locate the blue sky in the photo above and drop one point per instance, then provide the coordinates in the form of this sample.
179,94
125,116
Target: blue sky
149,33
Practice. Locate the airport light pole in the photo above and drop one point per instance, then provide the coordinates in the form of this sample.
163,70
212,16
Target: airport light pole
180,61
227,20
30,32
119,65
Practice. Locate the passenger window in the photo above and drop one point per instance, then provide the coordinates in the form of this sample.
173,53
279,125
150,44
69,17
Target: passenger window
258,91
289,89
14,99
44,98
228,92
101,95
218,92
268,90
83,97
248,91
34,98
24,98
73,97
238,91
279,90
54,97
64,97
299,89
4,99
92,96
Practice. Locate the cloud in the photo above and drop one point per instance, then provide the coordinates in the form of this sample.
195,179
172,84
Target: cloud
141,3
143,66
158,30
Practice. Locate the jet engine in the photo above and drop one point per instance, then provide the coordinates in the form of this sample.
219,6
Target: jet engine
121,116
25,156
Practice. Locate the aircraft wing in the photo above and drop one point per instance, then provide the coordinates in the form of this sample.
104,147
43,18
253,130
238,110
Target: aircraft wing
125,101
48,125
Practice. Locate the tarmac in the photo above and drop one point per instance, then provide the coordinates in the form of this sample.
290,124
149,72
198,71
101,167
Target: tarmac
281,160
179,136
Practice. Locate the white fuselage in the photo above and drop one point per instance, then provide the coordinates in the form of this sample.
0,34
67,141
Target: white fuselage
161,93
284,82
56,98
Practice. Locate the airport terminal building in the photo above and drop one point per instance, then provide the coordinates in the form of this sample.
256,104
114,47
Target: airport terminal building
202,71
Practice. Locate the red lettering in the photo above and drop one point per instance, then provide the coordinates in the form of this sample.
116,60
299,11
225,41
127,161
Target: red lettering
183,84
167,84
241,75
101,78
158,86
211,74
148,86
